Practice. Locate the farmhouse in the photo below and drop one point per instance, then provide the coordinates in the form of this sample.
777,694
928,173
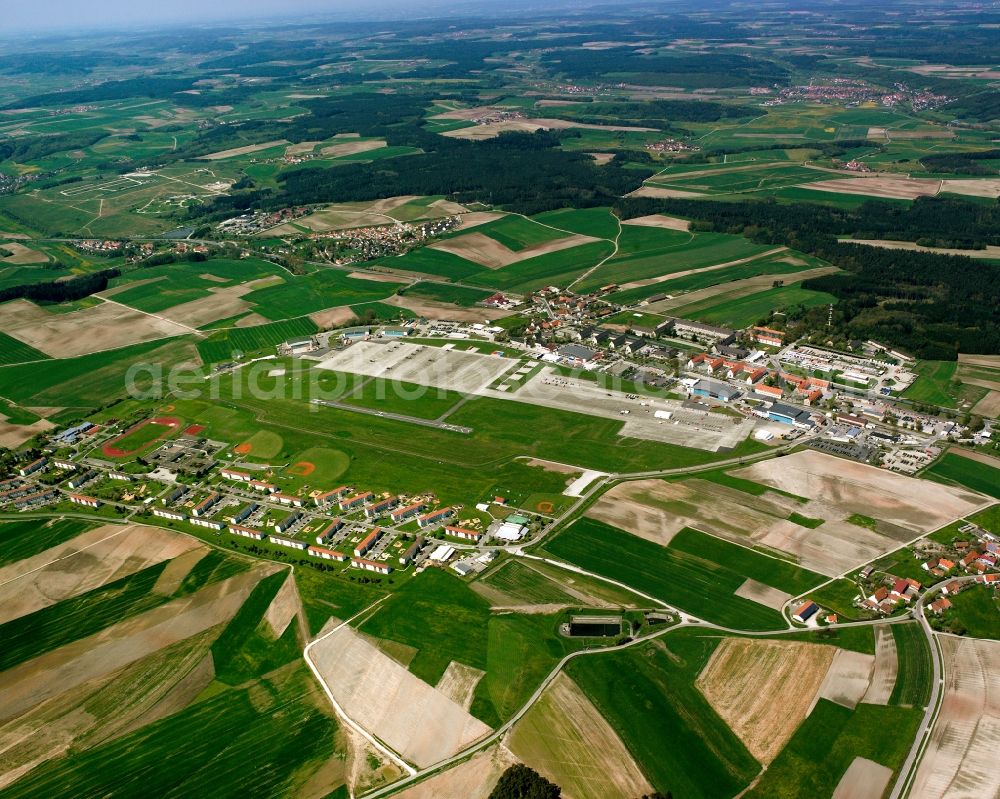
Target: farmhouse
349,503
329,496
287,524
461,532
232,474
291,543
211,524
246,532
806,612
34,466
206,504
169,514
378,508
401,514
368,542
939,606
371,565
326,554
435,516
87,502
329,531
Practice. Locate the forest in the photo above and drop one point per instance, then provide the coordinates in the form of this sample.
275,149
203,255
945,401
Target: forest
929,304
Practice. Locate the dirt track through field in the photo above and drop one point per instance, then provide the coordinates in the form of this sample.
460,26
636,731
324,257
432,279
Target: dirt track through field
415,719
660,221
652,281
961,758
85,562
566,739
732,290
764,689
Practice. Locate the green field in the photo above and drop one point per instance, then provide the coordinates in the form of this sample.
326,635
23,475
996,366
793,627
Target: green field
518,233
425,260
972,474
23,539
977,611
442,292
696,572
838,597
221,345
938,384
307,294
552,268
13,351
826,743
915,669
744,311
161,287
647,694
526,584
409,399
597,222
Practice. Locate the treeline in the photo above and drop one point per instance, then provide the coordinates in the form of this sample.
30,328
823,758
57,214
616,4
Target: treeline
932,305
153,87
962,163
76,288
36,147
982,106
657,113
827,149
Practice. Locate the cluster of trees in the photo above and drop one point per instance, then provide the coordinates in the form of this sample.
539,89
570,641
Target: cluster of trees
963,163
521,782
657,113
932,305
981,106
36,147
76,288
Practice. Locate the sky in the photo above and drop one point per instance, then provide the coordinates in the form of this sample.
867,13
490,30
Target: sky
90,14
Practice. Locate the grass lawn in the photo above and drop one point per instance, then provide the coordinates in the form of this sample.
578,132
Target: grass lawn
936,384
988,519
826,743
647,694
838,597
965,471
409,399
697,573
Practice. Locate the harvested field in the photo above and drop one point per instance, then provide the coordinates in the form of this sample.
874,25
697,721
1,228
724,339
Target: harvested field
987,187
896,188
917,505
222,303
477,218
764,689
886,667
988,406
602,158
454,370
14,435
459,683
493,129
70,666
100,327
352,148
236,151
661,221
301,148
864,779
764,595
473,779
22,255
333,317
177,569
657,191
285,606
415,719
481,249
987,361
89,560
991,251
566,739
848,679
960,759
657,510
